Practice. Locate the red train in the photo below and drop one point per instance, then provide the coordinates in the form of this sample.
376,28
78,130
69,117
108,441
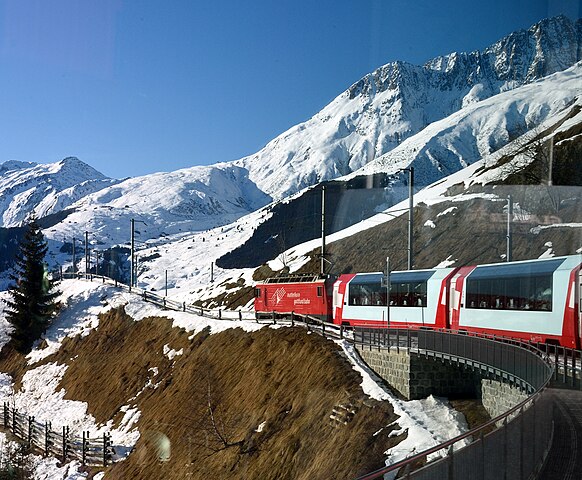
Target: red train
302,294
535,300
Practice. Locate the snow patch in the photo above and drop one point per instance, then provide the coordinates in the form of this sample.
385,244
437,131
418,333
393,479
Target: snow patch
171,353
429,223
428,422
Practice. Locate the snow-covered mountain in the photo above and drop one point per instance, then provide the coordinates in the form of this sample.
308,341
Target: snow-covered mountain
196,198
398,100
440,117
27,187
480,129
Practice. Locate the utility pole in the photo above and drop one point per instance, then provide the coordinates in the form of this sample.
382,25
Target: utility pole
387,291
509,230
132,258
211,272
550,173
74,259
86,252
410,171
322,268
166,283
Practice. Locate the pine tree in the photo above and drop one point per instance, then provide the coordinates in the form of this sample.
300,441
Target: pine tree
34,292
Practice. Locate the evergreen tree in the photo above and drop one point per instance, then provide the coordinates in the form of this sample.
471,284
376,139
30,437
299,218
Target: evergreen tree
34,292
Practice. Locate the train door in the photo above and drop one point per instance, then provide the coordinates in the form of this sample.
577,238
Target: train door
578,312
454,303
337,301
456,296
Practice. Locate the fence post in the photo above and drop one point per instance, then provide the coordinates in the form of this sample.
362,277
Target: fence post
116,283
14,411
64,444
47,429
240,315
84,451
105,448
219,314
292,319
342,332
164,300
183,306
505,448
30,426
451,473
521,443
323,329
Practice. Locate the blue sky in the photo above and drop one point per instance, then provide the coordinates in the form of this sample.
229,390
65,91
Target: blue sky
135,87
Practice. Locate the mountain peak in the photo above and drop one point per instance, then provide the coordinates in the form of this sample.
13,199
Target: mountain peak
10,165
76,166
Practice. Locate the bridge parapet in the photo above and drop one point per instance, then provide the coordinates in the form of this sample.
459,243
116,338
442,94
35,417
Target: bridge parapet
510,376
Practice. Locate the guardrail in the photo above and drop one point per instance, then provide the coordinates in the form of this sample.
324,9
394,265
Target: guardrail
517,448
567,365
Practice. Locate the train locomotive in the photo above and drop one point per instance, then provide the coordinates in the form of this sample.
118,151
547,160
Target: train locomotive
534,300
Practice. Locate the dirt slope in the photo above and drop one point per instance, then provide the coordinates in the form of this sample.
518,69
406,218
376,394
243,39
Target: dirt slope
233,405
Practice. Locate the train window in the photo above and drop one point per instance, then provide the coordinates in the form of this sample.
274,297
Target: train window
402,294
409,294
320,291
367,294
257,292
511,293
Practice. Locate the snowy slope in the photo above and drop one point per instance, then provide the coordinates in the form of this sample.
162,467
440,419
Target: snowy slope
480,129
44,188
191,199
187,258
398,100
382,112
428,422
477,133
201,198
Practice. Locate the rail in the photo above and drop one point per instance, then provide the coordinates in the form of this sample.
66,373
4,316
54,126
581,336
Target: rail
517,448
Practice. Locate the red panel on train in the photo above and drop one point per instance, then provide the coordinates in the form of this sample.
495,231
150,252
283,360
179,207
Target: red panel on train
301,294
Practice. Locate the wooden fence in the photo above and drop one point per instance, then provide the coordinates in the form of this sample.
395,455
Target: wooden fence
62,444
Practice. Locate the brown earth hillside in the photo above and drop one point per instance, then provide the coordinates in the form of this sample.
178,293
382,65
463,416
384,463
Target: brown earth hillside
233,405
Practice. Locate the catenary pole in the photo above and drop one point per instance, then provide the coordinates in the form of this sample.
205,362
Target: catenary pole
132,259
74,259
86,252
322,268
509,228
410,216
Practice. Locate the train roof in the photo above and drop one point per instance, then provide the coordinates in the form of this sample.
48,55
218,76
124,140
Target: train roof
521,268
297,278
